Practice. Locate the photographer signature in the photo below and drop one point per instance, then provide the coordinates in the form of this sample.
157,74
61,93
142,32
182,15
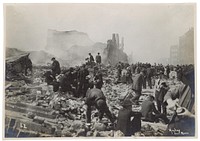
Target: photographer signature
177,132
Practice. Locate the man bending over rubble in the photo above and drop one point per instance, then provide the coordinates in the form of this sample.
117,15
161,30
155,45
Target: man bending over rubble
95,97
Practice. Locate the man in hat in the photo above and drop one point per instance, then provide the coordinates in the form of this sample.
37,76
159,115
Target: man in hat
95,97
98,58
150,113
91,60
55,67
124,123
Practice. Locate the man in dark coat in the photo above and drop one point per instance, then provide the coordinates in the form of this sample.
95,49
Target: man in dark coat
149,75
99,79
144,70
91,60
124,123
98,59
149,111
65,82
55,67
82,82
137,86
167,71
95,97
159,96
48,77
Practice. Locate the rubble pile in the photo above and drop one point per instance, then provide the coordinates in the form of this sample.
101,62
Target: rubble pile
61,114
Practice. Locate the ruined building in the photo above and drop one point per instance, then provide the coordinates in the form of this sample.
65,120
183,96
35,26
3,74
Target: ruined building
174,55
15,65
114,51
183,53
186,47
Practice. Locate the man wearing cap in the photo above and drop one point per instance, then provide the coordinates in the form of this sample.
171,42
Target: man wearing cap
95,97
55,67
124,123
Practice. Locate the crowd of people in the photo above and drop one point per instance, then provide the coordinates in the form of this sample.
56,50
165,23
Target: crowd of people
164,96
86,81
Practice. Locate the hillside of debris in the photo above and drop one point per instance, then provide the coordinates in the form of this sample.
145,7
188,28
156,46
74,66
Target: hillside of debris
34,110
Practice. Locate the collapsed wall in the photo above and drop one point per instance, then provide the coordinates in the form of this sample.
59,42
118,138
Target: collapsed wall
15,65
114,51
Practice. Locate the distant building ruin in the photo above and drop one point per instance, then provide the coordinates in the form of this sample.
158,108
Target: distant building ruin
114,51
186,47
174,55
184,52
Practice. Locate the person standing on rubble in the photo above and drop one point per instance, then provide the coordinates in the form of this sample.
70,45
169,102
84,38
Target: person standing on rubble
124,123
98,59
149,76
82,82
91,60
149,111
95,97
161,89
167,71
55,67
129,75
144,70
137,86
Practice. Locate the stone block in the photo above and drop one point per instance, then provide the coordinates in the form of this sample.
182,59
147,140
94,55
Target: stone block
38,120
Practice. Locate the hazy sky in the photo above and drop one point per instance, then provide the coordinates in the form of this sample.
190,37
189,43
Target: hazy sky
148,29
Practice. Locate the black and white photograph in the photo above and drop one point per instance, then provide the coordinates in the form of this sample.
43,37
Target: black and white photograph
99,70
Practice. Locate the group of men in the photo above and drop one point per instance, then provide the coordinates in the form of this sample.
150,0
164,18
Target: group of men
91,62
165,96
75,80
79,81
